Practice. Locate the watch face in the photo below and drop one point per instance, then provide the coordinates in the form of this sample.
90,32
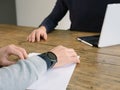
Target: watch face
51,56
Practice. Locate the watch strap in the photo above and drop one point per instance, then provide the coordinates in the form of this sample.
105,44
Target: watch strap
49,62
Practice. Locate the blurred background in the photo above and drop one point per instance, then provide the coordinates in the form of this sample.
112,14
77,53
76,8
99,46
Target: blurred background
29,12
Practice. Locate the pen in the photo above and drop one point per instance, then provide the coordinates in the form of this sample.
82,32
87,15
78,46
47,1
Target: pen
84,42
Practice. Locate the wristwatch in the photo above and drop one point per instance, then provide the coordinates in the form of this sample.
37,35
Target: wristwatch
50,58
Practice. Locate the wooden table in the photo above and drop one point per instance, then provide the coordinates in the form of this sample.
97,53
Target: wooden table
99,68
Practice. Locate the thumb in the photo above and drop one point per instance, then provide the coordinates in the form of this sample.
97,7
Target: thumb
7,63
45,36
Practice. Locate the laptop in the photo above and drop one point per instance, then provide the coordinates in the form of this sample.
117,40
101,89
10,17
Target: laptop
110,33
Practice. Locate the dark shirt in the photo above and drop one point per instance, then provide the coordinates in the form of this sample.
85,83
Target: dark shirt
85,15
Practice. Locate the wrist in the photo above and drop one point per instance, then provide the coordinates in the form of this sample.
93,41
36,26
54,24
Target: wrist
43,28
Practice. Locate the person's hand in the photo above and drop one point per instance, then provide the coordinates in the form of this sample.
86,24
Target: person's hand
6,51
37,35
65,56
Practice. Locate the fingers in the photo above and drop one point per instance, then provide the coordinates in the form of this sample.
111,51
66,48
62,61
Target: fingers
18,51
6,51
6,62
21,52
45,36
65,56
72,52
73,55
32,39
75,59
38,35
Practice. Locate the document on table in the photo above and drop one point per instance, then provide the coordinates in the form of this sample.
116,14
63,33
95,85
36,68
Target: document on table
54,79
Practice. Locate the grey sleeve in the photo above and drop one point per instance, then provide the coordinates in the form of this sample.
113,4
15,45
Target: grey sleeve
22,74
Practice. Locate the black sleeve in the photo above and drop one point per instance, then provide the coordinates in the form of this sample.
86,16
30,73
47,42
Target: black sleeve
55,16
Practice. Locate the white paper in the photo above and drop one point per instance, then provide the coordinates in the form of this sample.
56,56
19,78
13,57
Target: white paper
54,79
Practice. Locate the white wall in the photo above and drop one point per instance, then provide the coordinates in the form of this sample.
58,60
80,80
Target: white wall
33,12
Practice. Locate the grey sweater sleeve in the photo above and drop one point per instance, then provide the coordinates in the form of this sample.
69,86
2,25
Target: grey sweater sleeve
22,74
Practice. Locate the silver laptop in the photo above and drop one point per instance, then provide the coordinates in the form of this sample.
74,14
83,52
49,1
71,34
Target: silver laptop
110,33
